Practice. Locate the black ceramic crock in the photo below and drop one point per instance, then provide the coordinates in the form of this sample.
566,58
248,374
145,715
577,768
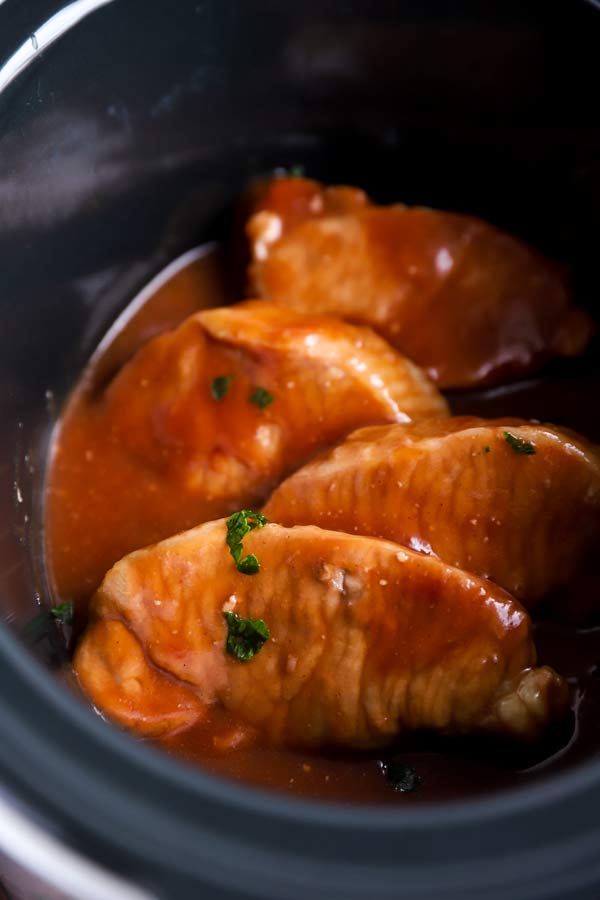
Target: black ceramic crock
124,139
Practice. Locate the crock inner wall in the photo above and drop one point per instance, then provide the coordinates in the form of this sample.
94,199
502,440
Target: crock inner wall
127,142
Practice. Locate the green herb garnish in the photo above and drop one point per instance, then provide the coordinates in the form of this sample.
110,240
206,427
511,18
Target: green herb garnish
63,613
220,386
518,445
402,777
238,526
296,171
245,637
487,449
261,397
40,625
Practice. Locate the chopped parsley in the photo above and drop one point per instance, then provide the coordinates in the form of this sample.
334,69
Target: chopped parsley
245,637
261,397
487,449
402,777
518,445
220,386
40,626
63,613
296,171
238,526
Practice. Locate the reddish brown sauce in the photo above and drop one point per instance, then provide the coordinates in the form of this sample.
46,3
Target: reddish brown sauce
101,504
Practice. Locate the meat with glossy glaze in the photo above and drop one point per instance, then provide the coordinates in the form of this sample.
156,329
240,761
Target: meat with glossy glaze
469,303
368,640
458,489
325,378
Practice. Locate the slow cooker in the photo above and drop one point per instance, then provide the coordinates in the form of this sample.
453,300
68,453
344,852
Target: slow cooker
127,129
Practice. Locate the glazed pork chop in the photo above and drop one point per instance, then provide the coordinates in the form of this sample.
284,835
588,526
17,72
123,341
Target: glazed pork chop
360,640
237,397
468,302
511,500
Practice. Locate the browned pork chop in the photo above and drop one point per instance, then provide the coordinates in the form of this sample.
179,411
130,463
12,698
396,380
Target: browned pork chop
511,500
368,640
237,397
468,302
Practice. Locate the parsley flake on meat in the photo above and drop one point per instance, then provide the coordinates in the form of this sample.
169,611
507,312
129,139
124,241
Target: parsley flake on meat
238,526
245,637
220,386
261,397
518,445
